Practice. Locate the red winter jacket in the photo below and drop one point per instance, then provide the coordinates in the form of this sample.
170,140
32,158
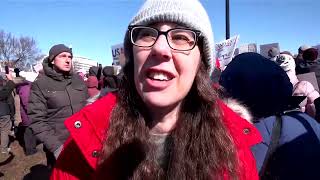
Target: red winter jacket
78,160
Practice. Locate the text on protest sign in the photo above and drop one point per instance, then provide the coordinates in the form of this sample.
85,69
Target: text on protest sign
225,50
118,54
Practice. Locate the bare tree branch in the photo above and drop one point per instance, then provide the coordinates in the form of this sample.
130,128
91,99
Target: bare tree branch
19,52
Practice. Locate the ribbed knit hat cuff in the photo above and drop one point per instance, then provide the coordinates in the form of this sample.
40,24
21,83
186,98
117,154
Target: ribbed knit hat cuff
57,49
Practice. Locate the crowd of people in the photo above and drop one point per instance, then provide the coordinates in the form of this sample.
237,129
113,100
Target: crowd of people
163,117
45,102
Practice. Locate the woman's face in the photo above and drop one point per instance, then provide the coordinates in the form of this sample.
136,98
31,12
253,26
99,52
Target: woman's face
163,76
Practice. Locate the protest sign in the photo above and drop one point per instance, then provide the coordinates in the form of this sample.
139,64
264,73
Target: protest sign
225,50
252,47
118,54
29,76
264,48
310,77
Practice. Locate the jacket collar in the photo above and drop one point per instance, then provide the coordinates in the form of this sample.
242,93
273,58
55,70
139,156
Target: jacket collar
88,127
243,132
49,71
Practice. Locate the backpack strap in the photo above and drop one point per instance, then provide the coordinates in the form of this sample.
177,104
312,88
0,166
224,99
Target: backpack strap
274,142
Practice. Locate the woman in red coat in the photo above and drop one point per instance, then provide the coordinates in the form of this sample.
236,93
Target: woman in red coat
165,121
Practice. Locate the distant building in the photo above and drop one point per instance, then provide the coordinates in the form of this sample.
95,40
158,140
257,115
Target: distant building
252,47
83,63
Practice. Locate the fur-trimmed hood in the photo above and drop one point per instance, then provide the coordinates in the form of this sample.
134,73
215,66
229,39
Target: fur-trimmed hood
239,108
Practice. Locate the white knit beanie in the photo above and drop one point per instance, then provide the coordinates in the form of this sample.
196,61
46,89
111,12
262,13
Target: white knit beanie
189,13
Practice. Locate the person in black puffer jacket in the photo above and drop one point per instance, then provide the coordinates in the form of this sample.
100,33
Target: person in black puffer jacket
55,96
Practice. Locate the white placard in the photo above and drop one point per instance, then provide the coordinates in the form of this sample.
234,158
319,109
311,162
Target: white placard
118,54
311,77
225,50
264,49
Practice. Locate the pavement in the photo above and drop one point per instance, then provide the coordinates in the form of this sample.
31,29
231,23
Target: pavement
17,166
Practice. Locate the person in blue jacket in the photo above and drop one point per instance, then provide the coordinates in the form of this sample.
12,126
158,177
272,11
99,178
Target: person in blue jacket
265,89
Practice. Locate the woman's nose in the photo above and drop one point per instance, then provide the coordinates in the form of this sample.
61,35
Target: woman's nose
161,48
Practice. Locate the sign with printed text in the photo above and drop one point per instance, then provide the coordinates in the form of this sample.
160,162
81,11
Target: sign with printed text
310,77
118,55
225,50
252,47
264,49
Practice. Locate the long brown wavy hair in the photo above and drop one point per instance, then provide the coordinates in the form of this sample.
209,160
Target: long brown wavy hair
201,147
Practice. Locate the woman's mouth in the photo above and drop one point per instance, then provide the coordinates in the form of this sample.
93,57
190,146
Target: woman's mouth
158,79
159,76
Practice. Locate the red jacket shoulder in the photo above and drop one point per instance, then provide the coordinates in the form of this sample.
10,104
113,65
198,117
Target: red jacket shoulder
88,127
86,140
244,135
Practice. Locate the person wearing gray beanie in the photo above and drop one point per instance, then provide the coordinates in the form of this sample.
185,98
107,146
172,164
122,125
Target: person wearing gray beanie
166,120
57,49
59,59
54,96
188,13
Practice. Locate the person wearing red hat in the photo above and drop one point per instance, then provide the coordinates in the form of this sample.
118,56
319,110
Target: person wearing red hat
92,84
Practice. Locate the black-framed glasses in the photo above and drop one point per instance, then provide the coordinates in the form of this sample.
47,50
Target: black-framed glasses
180,39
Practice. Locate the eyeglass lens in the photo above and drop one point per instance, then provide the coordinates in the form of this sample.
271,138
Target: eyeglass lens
179,39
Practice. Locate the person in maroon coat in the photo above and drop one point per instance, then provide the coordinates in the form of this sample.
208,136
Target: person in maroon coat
25,134
92,84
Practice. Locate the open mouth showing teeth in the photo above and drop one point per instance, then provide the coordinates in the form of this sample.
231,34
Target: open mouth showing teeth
159,76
